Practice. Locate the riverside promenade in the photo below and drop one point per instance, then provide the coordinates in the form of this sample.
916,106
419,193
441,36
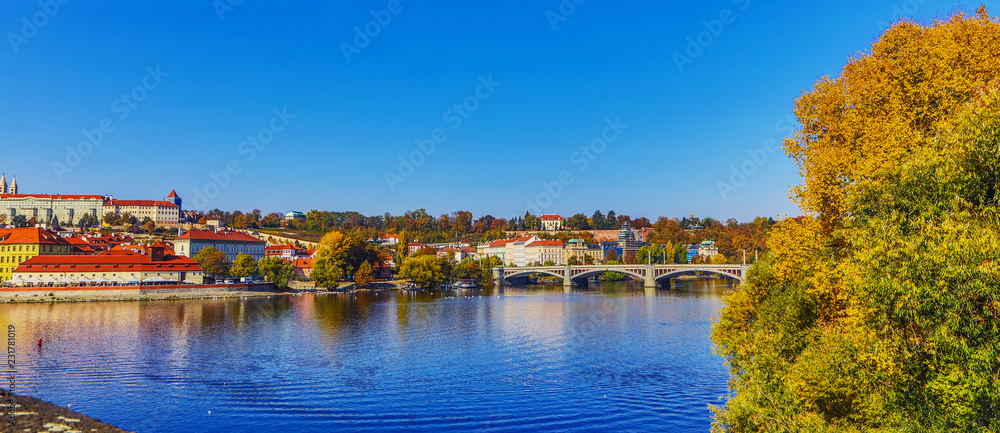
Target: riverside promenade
132,293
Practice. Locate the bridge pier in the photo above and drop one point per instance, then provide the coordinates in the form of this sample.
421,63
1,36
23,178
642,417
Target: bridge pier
650,281
567,277
498,277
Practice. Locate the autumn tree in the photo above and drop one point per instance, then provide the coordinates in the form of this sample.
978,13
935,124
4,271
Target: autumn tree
425,271
213,261
877,311
276,270
365,276
244,266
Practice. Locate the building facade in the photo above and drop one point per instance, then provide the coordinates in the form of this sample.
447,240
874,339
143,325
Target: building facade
46,208
552,222
112,267
160,212
286,252
21,244
581,251
543,251
229,242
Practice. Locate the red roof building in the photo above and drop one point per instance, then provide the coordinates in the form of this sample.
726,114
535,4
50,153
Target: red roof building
111,267
230,242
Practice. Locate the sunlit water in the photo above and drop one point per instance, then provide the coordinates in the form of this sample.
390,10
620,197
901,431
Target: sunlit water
608,358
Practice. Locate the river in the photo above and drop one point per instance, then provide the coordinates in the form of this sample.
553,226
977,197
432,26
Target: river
612,357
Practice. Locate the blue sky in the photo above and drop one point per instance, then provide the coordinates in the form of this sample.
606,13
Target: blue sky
534,82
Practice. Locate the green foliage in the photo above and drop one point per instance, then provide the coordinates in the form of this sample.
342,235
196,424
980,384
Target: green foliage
364,277
276,270
614,275
881,312
657,254
326,273
213,261
425,271
19,221
244,266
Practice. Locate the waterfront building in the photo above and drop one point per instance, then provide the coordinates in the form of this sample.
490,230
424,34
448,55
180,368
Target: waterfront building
509,251
152,265
552,222
708,250
579,249
18,245
542,251
229,242
159,211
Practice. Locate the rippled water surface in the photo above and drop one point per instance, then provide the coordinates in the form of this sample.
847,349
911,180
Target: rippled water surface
608,358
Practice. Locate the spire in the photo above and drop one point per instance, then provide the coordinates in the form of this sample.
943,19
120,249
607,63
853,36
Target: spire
3,184
13,185
173,194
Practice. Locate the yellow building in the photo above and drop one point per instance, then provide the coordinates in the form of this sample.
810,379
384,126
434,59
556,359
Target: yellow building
579,249
20,244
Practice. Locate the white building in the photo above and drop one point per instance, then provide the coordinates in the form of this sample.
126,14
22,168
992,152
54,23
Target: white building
161,212
231,243
542,251
552,222
708,249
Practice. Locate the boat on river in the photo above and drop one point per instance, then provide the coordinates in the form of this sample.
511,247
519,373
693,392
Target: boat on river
466,284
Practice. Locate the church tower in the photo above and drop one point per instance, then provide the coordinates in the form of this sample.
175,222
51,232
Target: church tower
3,184
13,185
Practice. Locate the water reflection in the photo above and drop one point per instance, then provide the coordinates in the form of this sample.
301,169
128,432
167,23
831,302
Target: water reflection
611,356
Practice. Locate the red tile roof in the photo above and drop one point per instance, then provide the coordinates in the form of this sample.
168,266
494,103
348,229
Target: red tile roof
303,263
503,242
225,236
550,217
113,261
119,203
283,247
546,244
173,194
390,236
31,235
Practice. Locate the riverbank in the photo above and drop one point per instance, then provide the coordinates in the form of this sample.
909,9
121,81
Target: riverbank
32,414
134,293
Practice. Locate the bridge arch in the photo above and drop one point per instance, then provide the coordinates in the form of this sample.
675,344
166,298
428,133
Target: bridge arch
593,272
527,272
679,272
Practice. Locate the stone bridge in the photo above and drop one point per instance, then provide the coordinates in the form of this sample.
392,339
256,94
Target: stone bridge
652,275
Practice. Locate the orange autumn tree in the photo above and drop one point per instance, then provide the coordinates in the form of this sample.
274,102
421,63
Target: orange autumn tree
878,311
